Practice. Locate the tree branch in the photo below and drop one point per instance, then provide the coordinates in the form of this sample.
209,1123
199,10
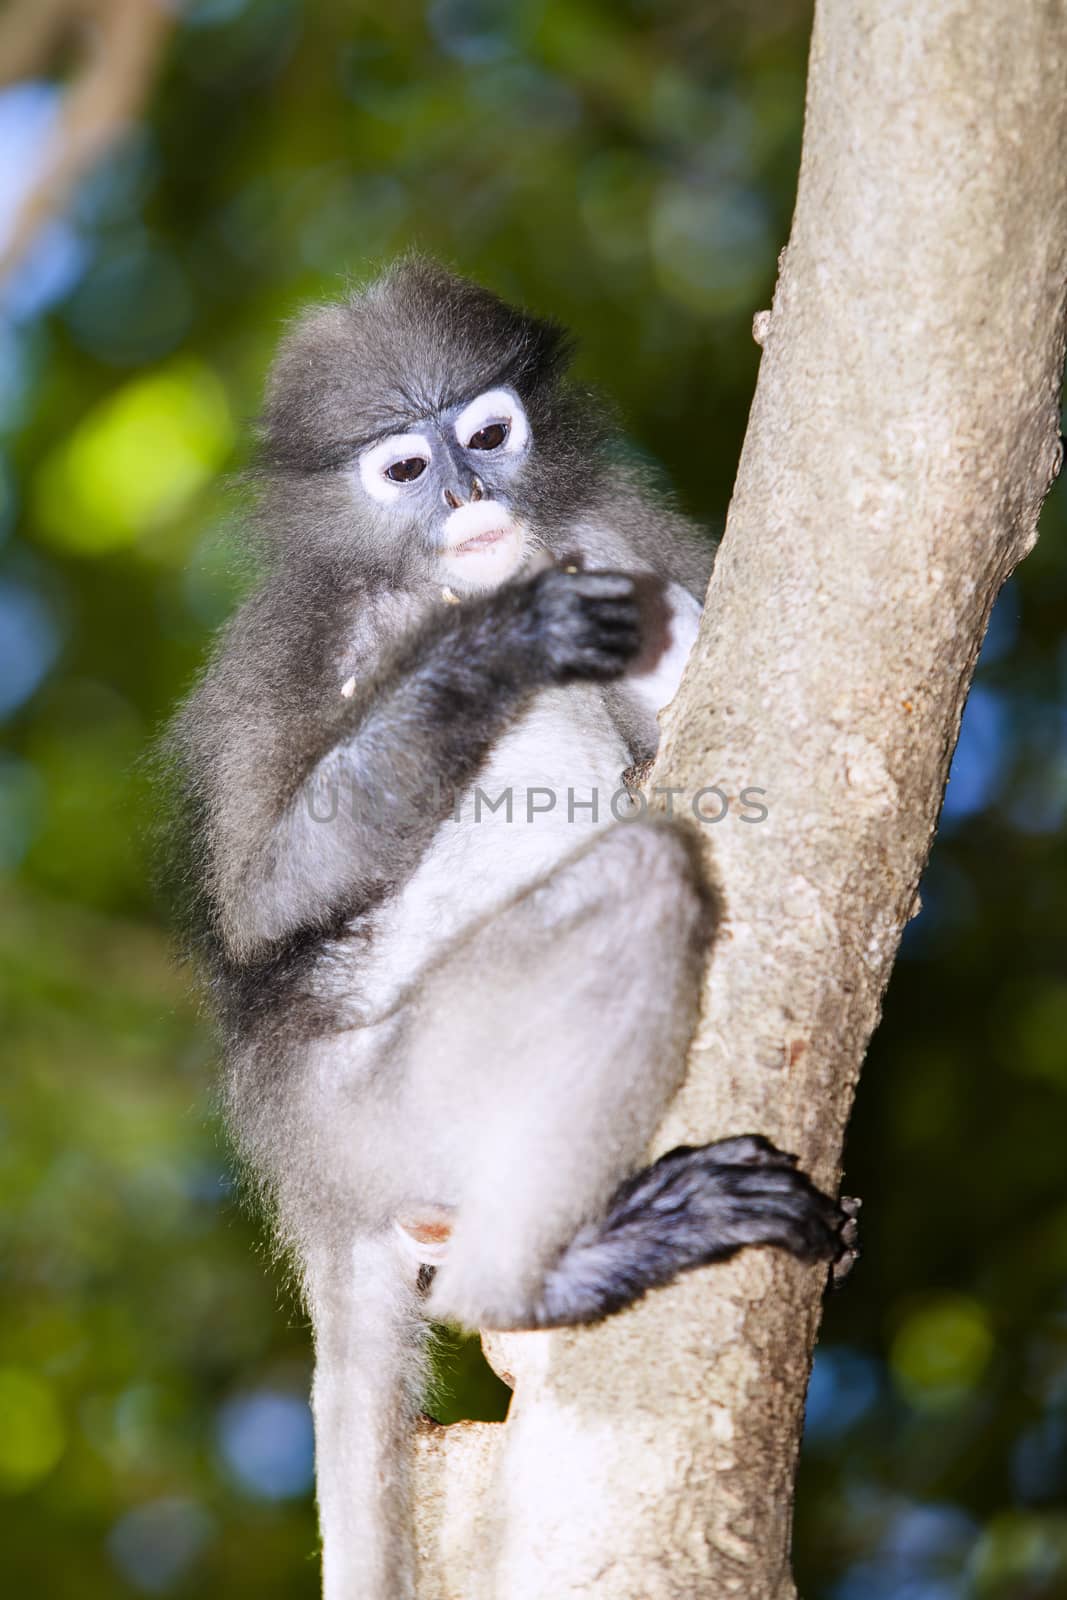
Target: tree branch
903,435
121,42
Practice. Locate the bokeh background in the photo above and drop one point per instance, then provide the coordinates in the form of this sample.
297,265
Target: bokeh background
630,168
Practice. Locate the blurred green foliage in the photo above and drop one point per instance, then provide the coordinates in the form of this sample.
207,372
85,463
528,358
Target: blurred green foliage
630,168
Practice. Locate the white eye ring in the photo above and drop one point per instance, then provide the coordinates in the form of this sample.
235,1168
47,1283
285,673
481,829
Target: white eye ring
386,453
496,405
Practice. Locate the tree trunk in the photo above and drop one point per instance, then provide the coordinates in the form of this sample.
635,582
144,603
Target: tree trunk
903,435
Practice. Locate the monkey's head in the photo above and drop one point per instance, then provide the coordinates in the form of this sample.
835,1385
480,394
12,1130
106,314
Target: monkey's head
437,421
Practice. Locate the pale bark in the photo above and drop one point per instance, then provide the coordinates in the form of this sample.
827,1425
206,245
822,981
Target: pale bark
903,435
121,45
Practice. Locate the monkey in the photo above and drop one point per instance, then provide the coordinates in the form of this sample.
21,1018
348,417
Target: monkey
455,985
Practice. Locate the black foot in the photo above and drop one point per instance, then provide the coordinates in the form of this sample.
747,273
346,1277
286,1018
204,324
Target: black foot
849,1241
695,1205
711,1200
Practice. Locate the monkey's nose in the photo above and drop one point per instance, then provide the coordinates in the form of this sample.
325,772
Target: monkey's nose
452,500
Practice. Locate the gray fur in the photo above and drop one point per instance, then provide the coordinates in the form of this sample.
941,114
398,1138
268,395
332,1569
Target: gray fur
425,1014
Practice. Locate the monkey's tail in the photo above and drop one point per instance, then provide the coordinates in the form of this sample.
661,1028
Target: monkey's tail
370,1353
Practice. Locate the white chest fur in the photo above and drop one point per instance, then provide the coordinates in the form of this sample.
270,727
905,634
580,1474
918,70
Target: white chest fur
549,782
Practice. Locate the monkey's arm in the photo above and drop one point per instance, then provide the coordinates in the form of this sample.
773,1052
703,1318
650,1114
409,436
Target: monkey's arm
372,777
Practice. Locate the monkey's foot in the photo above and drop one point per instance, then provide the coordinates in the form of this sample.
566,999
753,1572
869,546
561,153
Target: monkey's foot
849,1237
694,1206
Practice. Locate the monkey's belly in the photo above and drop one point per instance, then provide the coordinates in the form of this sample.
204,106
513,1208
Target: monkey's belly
550,783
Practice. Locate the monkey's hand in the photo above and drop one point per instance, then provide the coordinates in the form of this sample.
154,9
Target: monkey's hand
581,625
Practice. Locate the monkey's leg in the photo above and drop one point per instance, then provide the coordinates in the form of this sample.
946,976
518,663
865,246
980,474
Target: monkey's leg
369,1335
553,1041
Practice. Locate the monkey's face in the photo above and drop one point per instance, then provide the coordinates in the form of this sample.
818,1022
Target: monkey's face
448,484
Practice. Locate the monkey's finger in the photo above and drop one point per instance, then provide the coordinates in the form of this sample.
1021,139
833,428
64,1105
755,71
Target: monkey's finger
601,585
627,610
751,1149
591,621
819,1205
716,1231
619,654
774,1180
803,1236
818,1232
849,1243
808,1208
616,635
597,650
598,665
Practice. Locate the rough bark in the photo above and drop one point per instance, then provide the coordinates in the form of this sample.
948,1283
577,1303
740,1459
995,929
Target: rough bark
903,435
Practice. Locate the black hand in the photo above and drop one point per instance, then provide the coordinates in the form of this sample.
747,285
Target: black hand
565,626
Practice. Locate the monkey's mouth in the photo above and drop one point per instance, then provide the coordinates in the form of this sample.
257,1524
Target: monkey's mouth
482,544
480,541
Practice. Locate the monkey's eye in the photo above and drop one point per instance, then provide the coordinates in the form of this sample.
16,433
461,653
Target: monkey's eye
406,471
489,438
386,468
494,420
